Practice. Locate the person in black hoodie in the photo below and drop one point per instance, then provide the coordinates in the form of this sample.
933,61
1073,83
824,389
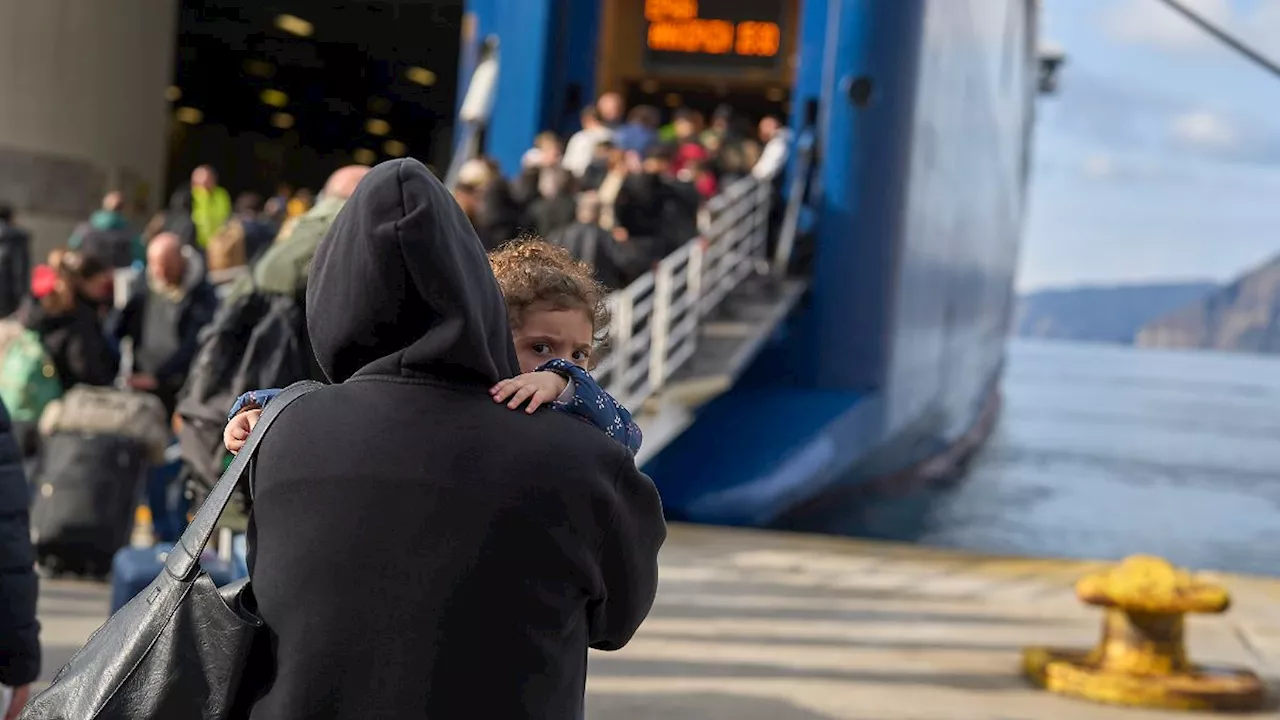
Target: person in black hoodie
554,207
656,206
416,549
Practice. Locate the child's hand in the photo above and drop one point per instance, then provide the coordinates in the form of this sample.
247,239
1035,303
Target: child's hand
237,431
536,387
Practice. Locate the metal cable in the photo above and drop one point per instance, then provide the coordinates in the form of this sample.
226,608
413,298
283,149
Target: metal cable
1223,36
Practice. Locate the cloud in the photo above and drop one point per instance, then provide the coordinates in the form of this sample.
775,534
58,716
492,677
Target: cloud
1221,138
1206,130
1123,114
1152,23
1098,165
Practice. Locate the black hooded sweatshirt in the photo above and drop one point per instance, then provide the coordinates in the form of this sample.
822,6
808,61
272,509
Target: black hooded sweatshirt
417,550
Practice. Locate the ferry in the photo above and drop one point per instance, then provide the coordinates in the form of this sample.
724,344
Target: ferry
841,325
768,386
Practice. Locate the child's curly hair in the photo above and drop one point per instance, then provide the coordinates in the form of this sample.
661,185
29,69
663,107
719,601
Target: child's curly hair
532,271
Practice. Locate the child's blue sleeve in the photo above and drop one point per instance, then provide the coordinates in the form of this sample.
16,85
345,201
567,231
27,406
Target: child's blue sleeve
252,399
591,403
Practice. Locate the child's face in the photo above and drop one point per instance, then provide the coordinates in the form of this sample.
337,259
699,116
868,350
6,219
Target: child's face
549,333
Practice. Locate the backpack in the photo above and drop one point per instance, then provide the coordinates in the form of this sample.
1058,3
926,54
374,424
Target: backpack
256,341
28,379
89,410
113,247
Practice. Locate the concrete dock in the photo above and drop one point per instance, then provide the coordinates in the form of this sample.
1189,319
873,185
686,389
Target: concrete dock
752,625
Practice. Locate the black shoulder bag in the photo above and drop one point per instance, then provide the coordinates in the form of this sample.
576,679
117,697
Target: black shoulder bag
178,649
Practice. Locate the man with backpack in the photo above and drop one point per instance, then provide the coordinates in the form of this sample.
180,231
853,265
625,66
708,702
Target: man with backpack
283,268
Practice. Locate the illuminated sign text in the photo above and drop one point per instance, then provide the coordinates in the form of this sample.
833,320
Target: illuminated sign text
677,26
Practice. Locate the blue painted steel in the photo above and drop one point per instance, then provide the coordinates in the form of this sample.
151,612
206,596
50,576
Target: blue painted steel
574,76
811,38
547,71
919,204
746,472
919,210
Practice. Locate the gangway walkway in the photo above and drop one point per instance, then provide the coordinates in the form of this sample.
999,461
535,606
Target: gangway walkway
684,331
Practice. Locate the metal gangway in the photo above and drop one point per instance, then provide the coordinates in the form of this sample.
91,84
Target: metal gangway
684,331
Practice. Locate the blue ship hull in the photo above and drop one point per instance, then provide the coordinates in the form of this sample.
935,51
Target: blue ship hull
890,367
896,360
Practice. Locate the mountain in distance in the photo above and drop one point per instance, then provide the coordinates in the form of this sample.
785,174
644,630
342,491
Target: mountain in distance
1112,314
1242,316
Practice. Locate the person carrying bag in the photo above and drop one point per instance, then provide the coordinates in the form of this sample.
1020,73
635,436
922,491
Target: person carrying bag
178,649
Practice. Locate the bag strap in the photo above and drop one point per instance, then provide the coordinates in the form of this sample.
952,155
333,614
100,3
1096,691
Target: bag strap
183,560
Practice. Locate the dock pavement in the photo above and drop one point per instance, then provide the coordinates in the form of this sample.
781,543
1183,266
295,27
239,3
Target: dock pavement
754,625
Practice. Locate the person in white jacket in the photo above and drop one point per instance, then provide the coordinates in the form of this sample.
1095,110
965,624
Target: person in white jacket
777,145
581,149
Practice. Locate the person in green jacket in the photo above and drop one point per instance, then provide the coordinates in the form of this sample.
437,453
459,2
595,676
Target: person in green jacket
210,204
283,269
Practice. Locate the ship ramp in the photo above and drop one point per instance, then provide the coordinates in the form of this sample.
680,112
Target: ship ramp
684,332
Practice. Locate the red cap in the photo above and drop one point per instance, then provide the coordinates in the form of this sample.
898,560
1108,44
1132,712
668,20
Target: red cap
43,280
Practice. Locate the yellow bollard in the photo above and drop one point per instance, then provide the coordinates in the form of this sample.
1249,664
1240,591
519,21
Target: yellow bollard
1142,658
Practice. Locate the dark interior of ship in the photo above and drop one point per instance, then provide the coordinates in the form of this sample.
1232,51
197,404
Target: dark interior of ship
288,90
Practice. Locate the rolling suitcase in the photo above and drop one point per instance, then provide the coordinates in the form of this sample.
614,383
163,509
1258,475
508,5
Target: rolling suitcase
96,447
133,569
84,500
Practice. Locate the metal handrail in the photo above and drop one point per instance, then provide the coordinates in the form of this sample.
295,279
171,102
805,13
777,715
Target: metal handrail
656,319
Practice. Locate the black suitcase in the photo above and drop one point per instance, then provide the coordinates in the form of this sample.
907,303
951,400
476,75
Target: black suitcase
85,495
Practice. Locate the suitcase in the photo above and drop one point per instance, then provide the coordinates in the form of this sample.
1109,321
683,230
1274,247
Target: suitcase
84,500
166,496
239,557
107,411
133,569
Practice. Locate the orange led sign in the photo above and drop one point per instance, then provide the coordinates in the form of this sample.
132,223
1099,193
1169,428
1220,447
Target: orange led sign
692,36
655,10
744,29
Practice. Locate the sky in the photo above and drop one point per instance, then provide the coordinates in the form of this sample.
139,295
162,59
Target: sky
1159,158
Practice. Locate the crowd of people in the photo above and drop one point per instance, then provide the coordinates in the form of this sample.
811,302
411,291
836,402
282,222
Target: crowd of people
150,308
624,191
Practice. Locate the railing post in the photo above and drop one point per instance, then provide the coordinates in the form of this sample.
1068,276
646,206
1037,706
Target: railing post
623,322
795,202
764,203
660,325
694,276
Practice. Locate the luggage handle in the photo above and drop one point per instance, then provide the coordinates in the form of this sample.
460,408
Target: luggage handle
184,558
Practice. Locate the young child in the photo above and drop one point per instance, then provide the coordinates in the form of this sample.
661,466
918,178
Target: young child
557,312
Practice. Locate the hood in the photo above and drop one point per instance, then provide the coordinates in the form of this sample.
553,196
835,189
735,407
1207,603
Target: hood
107,220
400,286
